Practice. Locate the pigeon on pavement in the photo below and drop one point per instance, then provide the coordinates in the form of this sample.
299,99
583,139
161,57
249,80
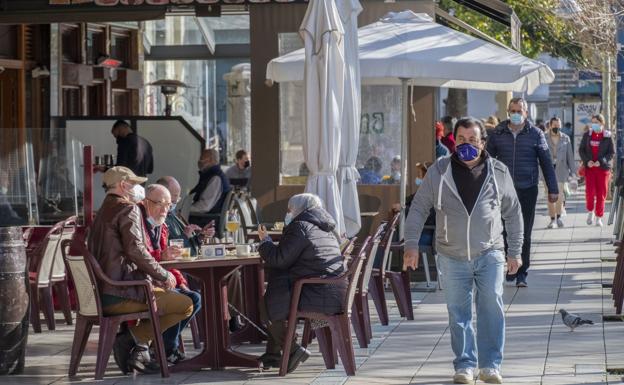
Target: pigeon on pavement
572,320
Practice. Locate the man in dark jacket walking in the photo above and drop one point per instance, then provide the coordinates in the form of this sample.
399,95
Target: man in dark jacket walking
521,147
133,151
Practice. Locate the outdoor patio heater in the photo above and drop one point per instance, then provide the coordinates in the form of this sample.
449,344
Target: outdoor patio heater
169,88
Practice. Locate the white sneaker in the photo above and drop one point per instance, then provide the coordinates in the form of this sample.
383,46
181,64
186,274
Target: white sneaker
552,224
599,221
464,376
490,376
590,217
559,223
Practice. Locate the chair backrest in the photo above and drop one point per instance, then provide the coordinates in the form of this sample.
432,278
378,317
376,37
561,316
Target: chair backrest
58,266
353,275
347,247
370,259
245,214
386,241
84,280
45,254
253,206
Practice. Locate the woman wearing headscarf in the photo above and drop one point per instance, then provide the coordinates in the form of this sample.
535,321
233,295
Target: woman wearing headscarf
309,247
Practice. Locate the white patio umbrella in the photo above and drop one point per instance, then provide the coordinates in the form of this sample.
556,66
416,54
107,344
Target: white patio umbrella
408,47
348,175
322,32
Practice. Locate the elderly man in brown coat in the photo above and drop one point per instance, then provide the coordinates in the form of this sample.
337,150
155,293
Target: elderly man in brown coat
117,241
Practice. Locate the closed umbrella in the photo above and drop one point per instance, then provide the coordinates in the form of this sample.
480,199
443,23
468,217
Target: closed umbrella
350,139
324,69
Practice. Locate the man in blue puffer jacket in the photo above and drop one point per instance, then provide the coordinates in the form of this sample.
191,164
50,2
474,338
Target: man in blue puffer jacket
521,147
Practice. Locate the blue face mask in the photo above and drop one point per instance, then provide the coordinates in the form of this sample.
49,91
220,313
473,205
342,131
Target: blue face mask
418,181
288,218
596,127
173,207
467,152
516,118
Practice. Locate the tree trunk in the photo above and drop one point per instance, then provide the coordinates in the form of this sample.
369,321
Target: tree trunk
457,102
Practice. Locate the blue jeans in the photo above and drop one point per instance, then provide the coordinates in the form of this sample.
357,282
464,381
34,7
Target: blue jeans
171,336
484,273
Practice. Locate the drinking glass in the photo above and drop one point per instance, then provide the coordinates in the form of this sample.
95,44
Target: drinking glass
232,223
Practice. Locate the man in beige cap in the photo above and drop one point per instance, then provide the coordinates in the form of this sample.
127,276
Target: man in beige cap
117,241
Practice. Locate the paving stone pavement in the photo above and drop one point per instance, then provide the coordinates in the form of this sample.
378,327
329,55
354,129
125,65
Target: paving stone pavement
567,271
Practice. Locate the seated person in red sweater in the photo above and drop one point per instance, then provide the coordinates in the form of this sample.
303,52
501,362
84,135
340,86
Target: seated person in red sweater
154,208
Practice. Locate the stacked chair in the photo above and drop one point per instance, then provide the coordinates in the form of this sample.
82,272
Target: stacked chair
48,274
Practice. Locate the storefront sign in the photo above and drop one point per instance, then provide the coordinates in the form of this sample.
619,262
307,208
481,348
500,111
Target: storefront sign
109,3
583,112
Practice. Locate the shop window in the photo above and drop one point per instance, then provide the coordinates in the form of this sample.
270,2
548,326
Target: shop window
8,42
96,40
96,100
120,49
121,103
71,44
71,101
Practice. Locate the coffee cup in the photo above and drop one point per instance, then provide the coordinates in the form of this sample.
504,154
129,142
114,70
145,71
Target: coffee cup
243,250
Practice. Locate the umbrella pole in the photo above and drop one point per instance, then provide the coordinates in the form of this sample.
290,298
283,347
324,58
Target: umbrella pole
404,130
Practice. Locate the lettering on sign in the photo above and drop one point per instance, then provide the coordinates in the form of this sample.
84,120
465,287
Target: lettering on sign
372,123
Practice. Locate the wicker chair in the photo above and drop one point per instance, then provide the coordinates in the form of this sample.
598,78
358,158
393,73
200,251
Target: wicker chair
85,272
361,318
336,336
48,275
376,285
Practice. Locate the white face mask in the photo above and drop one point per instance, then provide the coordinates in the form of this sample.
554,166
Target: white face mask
136,193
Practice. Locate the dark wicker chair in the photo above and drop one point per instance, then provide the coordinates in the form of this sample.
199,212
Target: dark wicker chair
85,272
336,336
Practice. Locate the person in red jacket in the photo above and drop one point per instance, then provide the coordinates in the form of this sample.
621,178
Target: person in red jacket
596,151
154,208
448,123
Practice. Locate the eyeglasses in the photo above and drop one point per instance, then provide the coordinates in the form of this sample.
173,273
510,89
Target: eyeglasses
163,205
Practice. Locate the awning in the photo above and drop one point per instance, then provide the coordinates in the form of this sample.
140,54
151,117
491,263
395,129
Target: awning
413,46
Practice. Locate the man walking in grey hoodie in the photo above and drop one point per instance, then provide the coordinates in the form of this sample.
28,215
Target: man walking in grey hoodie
472,194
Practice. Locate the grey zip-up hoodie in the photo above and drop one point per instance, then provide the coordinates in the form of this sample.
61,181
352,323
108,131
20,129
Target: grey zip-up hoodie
463,236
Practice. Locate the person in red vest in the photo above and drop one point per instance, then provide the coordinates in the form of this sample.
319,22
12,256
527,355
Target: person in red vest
448,139
154,208
596,152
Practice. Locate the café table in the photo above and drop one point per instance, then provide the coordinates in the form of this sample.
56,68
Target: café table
213,273
274,234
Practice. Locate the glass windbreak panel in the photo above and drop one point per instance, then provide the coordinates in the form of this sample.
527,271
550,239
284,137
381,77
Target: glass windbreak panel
293,169
18,203
380,135
190,30
380,130
191,103
59,178
174,30
217,104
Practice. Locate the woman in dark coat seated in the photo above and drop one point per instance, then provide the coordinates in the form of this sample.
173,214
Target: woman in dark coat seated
309,247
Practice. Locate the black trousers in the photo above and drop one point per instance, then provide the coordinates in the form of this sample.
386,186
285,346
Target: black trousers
528,199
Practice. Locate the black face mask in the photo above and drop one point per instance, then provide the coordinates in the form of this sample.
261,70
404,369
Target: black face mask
555,130
247,164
